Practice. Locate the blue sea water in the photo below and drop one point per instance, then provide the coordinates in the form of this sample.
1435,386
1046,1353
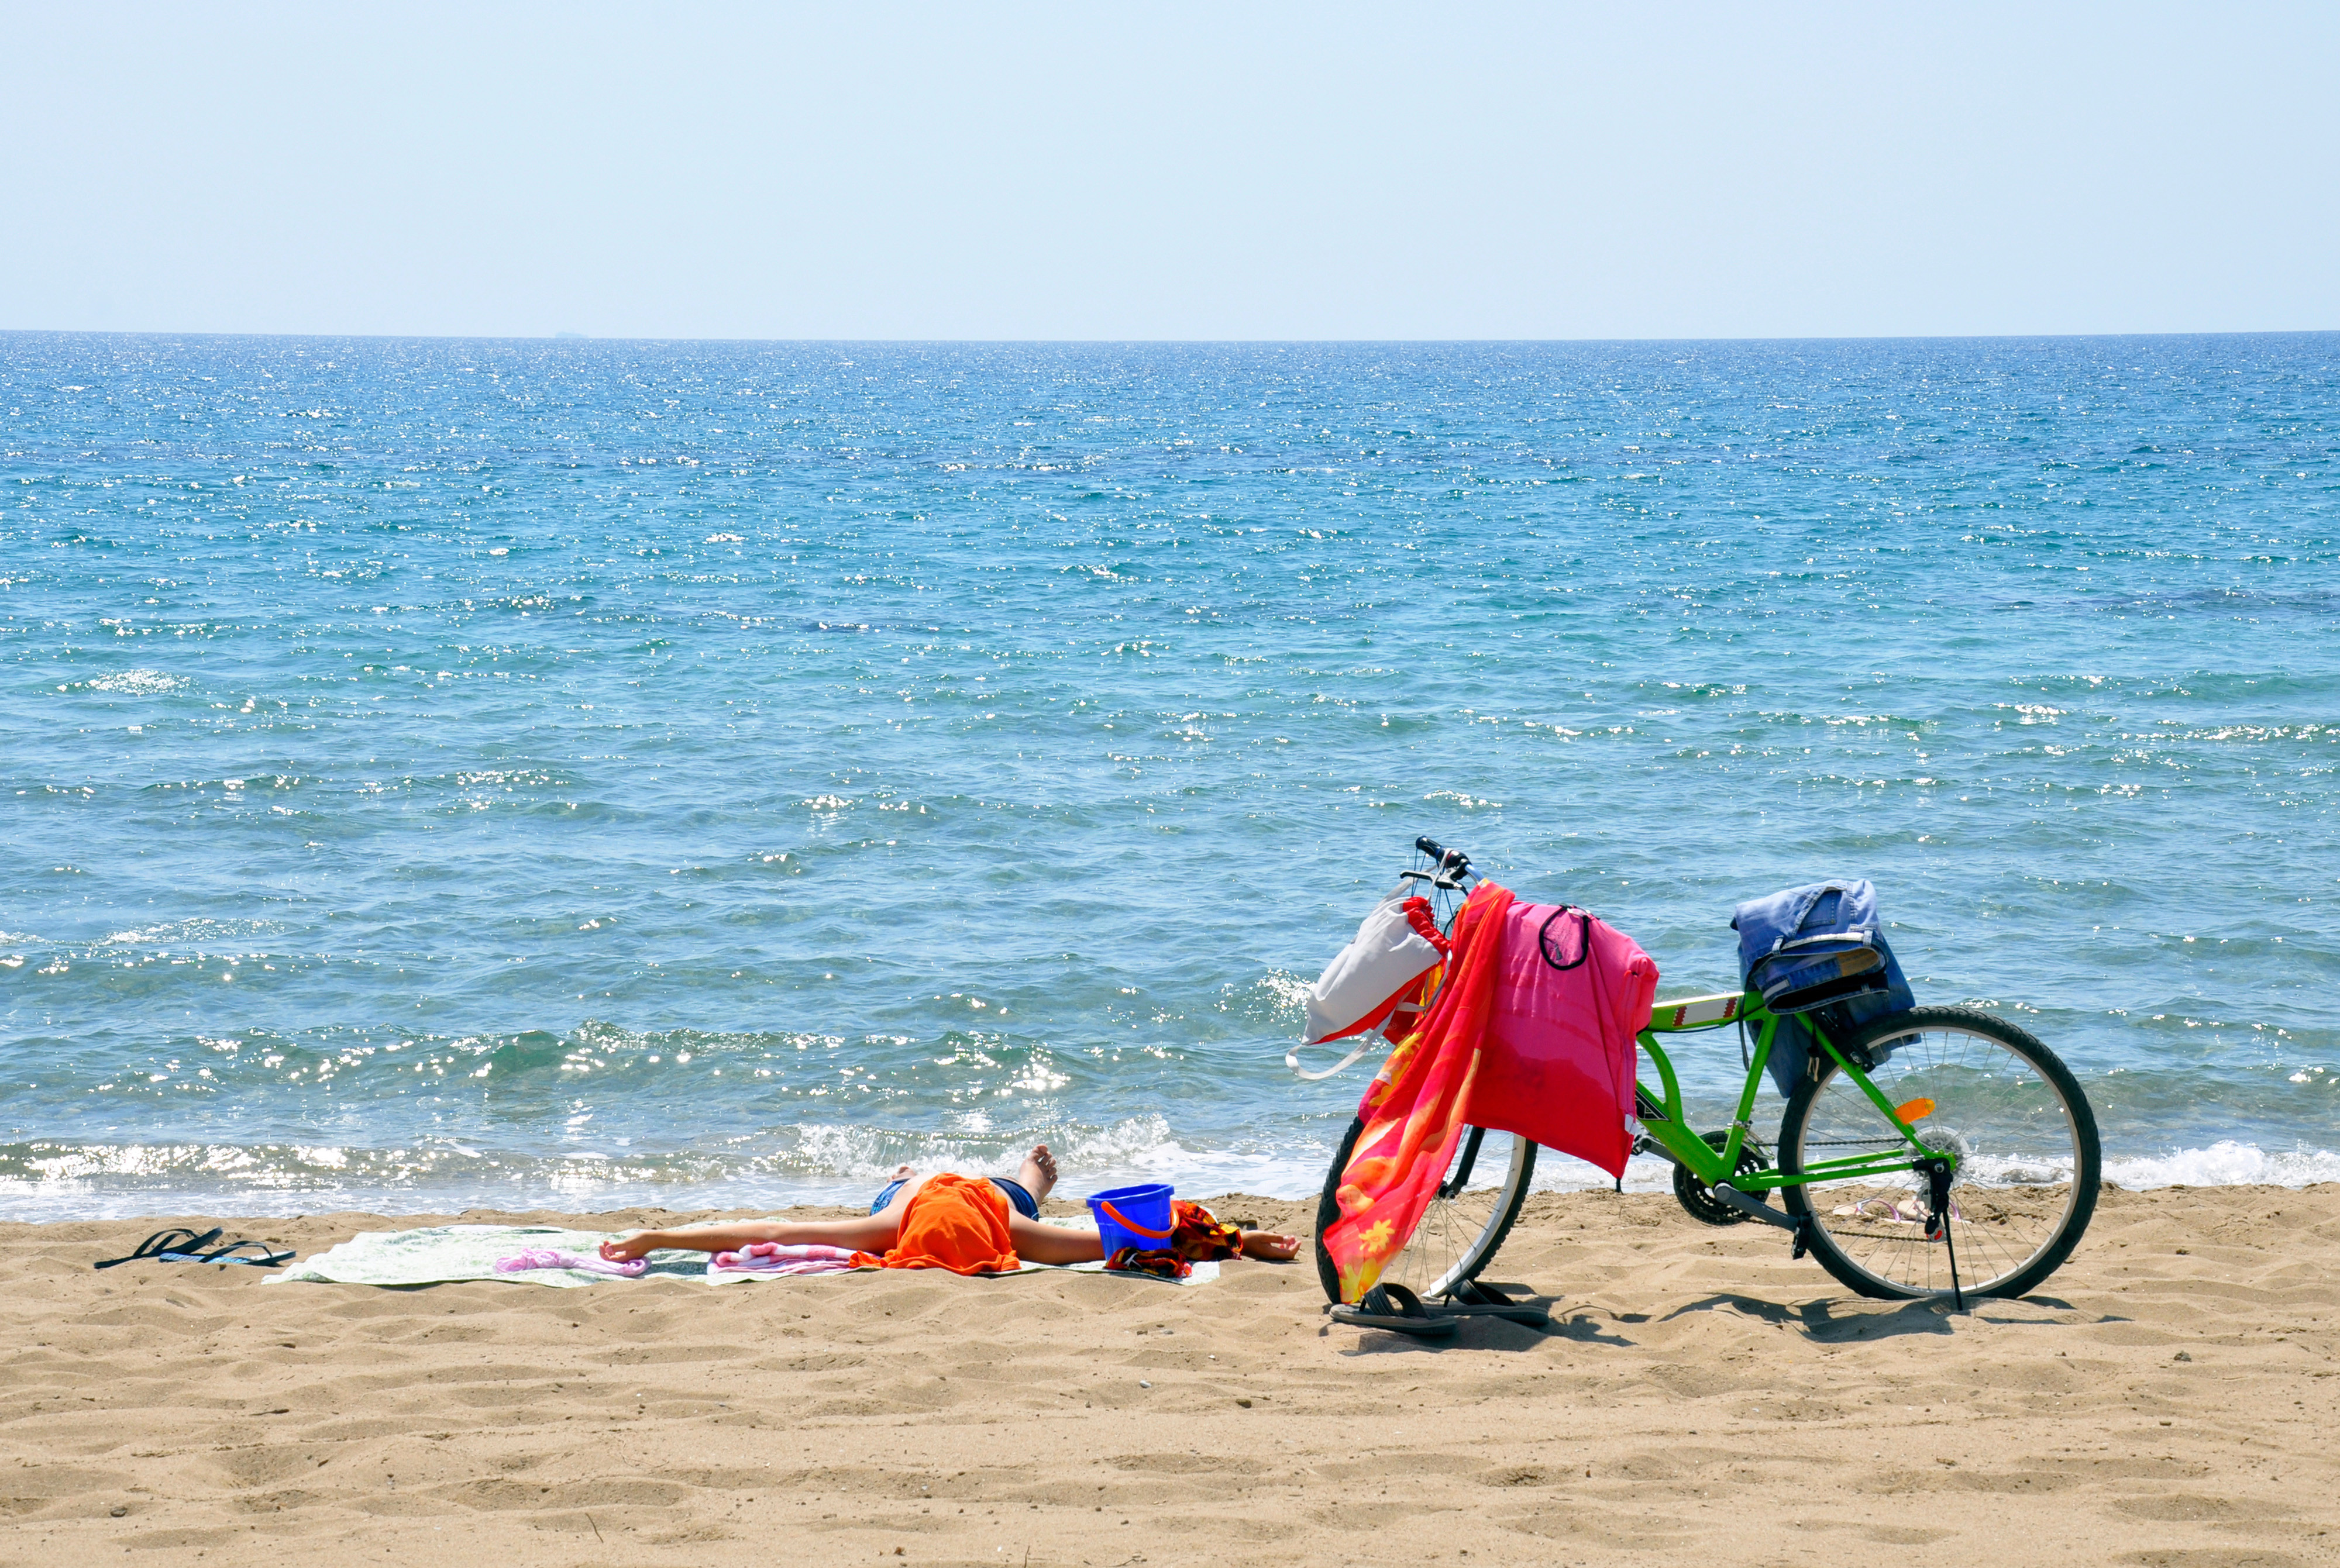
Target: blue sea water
446,773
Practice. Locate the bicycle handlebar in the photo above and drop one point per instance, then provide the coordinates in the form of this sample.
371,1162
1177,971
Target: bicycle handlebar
1450,861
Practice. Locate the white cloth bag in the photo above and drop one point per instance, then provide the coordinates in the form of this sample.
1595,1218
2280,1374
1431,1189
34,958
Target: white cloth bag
1385,958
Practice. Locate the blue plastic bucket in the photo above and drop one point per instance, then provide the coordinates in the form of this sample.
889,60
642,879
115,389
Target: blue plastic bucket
1135,1217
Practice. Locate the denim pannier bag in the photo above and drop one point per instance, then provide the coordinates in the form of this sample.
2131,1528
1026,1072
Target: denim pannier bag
1819,948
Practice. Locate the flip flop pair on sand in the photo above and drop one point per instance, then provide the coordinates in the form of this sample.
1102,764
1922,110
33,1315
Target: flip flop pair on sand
184,1245
1398,1310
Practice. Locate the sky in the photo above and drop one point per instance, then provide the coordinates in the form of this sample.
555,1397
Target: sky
1214,171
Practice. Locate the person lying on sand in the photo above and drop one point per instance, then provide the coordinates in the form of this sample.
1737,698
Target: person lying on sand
941,1221
932,1222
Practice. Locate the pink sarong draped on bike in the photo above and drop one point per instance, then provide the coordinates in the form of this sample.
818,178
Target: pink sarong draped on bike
1557,1065
1412,1111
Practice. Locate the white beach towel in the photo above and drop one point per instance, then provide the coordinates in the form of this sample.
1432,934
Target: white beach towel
441,1254
446,1254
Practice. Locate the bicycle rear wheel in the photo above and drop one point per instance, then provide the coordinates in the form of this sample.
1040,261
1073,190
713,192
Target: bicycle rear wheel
2012,1115
1462,1227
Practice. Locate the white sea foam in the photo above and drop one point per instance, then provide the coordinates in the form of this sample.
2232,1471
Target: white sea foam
2225,1163
823,1165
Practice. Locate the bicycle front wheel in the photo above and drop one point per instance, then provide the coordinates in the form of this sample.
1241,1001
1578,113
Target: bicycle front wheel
1478,1198
1979,1088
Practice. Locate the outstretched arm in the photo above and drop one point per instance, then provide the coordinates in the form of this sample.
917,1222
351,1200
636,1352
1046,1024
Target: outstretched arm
1039,1243
875,1233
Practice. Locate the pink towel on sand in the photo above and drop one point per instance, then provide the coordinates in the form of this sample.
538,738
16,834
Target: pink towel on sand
521,1263
778,1257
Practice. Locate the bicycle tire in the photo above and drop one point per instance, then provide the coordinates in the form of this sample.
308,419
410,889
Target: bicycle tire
1431,1264
2028,1169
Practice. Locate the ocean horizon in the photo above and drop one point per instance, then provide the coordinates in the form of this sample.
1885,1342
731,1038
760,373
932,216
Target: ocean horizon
460,772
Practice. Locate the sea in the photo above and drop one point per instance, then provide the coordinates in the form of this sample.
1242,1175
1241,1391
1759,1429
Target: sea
446,773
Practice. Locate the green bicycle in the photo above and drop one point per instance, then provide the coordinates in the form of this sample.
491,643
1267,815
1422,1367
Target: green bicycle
1941,1152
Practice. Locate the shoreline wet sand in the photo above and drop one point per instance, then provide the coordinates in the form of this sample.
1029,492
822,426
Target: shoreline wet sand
2166,1399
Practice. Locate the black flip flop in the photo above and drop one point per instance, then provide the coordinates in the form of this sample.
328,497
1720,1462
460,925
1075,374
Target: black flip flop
1398,1310
166,1247
1472,1298
187,1246
228,1254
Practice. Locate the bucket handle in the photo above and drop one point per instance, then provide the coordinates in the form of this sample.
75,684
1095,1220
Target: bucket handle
1118,1218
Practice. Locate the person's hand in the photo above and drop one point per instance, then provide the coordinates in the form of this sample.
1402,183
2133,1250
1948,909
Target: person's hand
625,1250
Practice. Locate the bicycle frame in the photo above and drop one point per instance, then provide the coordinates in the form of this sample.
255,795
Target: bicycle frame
1662,1118
1661,1115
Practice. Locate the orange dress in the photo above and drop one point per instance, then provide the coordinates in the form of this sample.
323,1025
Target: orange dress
953,1222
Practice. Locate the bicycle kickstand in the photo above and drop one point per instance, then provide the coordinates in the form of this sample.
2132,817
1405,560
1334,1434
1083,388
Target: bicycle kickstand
1937,1220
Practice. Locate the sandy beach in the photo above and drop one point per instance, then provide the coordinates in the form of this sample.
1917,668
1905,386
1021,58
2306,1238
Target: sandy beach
1701,1398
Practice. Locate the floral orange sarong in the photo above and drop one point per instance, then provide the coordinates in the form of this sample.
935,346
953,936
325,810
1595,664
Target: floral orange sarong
1412,1113
953,1222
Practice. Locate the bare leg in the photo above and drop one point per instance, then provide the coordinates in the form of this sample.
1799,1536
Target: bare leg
1039,1172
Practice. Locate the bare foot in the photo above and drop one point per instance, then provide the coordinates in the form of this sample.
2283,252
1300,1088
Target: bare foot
1039,1172
903,1172
1270,1249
